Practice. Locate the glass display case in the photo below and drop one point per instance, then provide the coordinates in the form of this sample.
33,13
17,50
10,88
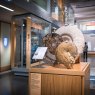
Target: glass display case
44,4
37,29
57,10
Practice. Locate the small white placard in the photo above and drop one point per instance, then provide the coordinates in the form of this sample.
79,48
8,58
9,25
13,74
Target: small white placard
40,53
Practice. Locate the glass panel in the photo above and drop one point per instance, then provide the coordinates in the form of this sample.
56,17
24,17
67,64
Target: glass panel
57,10
39,28
54,9
18,42
42,3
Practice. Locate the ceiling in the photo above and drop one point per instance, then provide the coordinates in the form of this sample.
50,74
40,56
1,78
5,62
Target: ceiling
6,15
83,10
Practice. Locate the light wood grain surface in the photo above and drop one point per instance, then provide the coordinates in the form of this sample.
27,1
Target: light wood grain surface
56,81
78,69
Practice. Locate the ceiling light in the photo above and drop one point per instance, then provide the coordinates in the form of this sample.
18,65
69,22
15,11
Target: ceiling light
8,0
6,8
27,0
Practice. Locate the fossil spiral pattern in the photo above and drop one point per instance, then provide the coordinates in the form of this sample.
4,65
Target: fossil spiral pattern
65,44
66,54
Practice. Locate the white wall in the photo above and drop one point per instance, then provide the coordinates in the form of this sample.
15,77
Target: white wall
89,38
5,51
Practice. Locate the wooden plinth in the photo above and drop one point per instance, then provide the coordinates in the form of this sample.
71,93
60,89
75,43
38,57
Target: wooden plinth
55,81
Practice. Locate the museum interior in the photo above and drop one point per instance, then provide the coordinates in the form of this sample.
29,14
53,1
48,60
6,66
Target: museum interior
47,47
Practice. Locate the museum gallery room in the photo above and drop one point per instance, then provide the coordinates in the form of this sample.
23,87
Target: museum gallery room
47,47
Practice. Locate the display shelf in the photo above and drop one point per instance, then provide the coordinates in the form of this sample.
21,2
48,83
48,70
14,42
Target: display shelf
48,80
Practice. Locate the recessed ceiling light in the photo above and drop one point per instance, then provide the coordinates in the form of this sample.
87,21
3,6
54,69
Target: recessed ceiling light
6,8
8,0
27,0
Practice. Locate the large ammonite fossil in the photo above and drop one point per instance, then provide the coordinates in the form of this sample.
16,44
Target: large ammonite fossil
60,50
73,33
64,45
66,53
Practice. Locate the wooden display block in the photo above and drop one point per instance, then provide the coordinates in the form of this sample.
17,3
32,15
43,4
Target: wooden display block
48,80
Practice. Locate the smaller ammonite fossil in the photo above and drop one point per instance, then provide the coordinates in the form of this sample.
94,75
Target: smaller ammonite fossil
66,53
52,41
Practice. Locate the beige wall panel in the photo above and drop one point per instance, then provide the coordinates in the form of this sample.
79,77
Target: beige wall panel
5,51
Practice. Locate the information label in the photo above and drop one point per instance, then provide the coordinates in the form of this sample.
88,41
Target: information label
35,84
40,53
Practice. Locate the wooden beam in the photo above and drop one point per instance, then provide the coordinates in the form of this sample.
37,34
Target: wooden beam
61,10
13,44
28,42
0,46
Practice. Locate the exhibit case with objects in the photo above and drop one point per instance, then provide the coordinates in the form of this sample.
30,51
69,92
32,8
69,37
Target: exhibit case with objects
27,33
60,71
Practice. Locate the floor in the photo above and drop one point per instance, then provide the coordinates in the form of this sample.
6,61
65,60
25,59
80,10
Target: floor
13,85
18,85
91,60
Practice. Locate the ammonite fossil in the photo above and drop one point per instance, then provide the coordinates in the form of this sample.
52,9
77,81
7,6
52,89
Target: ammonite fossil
66,54
61,51
73,33
52,41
